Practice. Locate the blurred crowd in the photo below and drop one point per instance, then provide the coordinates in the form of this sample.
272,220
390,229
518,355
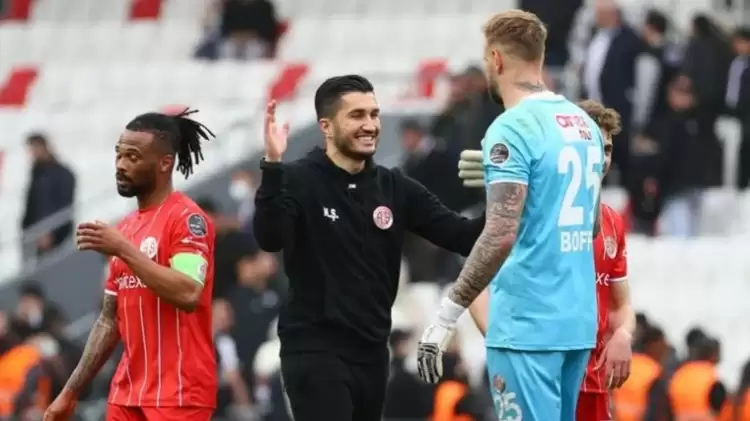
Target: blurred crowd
36,358
669,88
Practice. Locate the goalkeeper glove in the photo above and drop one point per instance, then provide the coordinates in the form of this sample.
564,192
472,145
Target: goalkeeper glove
471,169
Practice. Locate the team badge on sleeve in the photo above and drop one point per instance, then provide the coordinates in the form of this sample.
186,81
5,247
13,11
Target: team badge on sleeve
610,247
499,153
196,225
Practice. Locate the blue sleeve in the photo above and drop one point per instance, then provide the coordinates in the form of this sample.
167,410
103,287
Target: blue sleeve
507,157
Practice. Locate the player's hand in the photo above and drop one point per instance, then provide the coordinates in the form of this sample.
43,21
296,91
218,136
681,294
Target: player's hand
61,409
434,342
275,137
100,237
616,358
471,169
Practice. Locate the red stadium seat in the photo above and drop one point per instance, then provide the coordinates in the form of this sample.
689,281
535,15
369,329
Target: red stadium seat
285,86
17,10
14,92
145,9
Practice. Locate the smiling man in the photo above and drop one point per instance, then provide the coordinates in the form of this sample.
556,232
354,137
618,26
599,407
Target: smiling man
340,220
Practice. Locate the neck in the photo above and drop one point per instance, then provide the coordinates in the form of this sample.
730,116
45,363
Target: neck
352,166
527,83
156,197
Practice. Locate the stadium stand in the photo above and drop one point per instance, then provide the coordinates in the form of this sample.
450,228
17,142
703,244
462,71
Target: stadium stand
81,71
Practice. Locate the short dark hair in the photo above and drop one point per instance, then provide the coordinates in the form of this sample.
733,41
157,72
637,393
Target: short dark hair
657,20
36,138
330,92
742,32
31,289
652,334
180,134
412,124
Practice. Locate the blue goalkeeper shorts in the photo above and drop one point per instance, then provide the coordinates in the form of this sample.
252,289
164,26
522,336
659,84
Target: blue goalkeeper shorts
536,385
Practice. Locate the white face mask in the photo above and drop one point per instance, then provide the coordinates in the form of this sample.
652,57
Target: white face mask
239,190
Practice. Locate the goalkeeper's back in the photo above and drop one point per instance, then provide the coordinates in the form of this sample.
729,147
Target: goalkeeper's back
543,298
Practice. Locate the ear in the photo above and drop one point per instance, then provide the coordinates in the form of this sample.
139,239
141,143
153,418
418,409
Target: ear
326,126
166,164
497,61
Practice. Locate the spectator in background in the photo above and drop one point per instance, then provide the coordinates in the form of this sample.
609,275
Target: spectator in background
453,119
690,160
559,16
406,398
738,99
239,30
454,398
483,105
51,190
32,310
233,394
608,75
242,191
708,56
695,390
740,409
24,383
239,261
427,161
644,395
656,67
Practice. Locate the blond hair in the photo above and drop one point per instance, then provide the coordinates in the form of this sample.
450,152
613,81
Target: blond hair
518,33
606,118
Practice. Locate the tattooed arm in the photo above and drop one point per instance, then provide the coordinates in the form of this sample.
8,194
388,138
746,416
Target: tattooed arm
102,340
505,202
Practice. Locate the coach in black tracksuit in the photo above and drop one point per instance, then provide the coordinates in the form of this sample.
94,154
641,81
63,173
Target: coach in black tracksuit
340,220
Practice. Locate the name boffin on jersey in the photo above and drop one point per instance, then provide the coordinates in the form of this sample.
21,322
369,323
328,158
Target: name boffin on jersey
542,319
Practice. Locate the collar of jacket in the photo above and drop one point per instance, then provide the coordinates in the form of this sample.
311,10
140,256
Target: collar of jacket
321,160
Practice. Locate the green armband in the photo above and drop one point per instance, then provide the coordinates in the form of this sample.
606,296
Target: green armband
191,264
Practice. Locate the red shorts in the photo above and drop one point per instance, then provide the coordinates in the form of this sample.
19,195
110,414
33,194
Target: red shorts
134,413
593,407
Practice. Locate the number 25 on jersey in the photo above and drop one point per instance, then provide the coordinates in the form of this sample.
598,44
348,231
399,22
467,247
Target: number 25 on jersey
584,174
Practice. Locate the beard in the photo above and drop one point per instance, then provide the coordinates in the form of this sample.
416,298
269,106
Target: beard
132,189
346,147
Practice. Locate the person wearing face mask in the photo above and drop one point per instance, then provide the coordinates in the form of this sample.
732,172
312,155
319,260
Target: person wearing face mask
31,310
242,191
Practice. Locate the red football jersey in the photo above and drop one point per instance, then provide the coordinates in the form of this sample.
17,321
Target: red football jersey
610,261
169,359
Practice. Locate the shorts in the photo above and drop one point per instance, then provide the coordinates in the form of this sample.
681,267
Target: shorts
323,386
134,413
593,407
536,385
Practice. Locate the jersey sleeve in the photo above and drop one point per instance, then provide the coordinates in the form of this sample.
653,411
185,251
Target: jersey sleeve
110,286
506,155
620,266
191,244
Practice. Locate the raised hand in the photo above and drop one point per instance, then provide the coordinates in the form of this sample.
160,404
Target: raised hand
275,137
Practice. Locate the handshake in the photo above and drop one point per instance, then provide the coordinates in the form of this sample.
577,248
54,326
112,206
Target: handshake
471,169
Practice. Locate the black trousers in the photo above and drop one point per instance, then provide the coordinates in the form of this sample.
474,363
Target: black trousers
322,386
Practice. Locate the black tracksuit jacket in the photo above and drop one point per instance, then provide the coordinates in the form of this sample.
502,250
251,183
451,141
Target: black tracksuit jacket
342,235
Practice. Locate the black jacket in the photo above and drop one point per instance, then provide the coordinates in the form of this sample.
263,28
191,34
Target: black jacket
343,268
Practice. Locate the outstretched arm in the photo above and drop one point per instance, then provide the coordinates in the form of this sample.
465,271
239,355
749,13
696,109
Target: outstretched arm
505,202
102,340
